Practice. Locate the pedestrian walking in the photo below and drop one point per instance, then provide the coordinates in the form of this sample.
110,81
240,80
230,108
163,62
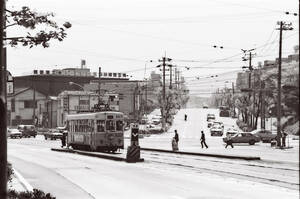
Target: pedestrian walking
63,140
203,140
175,141
185,117
176,137
284,135
228,142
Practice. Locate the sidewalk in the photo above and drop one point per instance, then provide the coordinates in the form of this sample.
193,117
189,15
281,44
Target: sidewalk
19,183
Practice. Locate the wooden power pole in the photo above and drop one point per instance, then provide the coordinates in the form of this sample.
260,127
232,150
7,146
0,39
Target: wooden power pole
3,116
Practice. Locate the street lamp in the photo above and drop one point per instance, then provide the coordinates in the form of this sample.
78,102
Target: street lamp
73,83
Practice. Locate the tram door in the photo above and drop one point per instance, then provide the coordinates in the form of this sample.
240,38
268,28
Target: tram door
93,130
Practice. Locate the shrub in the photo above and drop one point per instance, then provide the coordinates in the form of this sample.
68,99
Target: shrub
9,172
35,194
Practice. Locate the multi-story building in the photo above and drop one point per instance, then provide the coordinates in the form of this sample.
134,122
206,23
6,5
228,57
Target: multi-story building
72,102
129,94
55,81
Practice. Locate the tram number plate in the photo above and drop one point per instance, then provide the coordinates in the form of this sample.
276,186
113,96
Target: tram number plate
78,138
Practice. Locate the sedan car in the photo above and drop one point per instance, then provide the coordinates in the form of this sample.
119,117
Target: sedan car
53,134
14,133
216,130
231,132
218,123
210,123
265,135
242,138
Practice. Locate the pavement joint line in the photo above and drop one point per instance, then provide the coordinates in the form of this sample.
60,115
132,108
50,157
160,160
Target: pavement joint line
204,154
23,181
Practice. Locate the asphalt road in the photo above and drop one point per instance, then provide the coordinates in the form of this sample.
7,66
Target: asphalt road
160,176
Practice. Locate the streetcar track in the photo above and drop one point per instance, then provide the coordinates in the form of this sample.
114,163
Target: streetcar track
233,162
280,183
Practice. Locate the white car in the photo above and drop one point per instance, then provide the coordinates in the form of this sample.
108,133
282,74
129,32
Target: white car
231,132
216,130
156,120
14,133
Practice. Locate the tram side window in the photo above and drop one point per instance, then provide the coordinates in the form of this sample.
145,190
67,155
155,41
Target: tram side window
100,125
110,125
119,125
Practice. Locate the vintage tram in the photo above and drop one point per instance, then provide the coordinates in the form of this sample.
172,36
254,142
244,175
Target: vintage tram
98,131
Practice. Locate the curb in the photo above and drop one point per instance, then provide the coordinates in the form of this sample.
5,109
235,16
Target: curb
204,154
98,155
23,181
95,154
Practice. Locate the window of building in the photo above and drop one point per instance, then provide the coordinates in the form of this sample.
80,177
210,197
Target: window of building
124,75
30,104
13,105
105,74
109,74
119,74
115,74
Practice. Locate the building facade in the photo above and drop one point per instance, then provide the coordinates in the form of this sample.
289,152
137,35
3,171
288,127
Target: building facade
28,106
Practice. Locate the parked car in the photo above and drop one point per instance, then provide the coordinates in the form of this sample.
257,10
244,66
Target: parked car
210,116
265,135
27,130
210,122
216,130
14,133
231,132
53,134
205,106
242,138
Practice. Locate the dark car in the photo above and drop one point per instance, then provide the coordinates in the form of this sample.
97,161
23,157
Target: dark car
265,135
27,130
53,134
242,138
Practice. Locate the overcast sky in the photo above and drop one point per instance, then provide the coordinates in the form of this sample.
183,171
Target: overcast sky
123,35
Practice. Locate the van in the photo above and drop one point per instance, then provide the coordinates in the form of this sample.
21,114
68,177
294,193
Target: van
27,130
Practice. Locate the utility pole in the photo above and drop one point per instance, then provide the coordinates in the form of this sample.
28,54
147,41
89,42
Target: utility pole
99,86
164,60
283,26
146,96
279,89
3,109
249,76
233,102
170,65
164,94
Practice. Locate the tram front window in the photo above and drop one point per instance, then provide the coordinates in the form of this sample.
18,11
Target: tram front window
119,125
110,125
100,125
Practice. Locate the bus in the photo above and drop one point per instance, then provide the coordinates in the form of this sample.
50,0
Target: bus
99,131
